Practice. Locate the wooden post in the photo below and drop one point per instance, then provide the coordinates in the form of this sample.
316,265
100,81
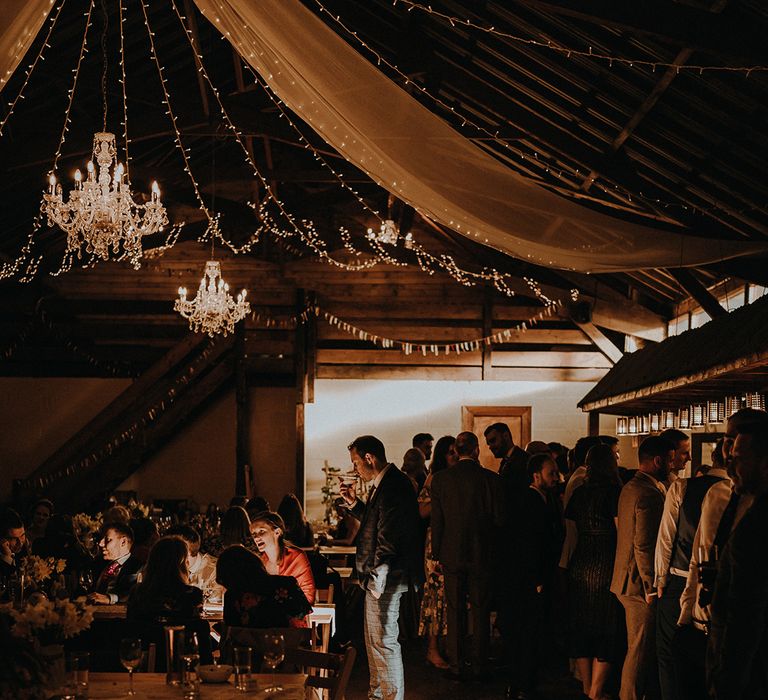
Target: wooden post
593,422
305,360
244,474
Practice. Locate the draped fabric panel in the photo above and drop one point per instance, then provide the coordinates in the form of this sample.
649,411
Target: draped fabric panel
20,21
415,155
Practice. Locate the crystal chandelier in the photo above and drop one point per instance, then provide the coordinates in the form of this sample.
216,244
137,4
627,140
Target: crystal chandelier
387,234
101,214
213,310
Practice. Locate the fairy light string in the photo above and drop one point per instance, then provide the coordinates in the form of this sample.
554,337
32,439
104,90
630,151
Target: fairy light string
30,69
570,52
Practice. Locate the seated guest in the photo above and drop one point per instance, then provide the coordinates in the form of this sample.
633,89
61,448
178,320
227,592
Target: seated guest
41,514
298,530
164,593
280,558
345,532
253,597
13,542
120,570
60,542
257,504
202,567
116,514
145,535
235,529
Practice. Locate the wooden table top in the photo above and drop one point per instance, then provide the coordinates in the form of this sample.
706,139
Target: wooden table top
151,686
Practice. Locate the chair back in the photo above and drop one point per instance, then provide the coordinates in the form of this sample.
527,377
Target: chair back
324,595
328,672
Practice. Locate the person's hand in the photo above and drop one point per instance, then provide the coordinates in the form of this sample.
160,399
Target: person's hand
5,549
540,588
650,597
659,591
98,599
347,491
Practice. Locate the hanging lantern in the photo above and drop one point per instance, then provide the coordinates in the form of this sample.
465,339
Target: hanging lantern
668,420
633,427
622,425
754,400
684,418
715,411
732,404
698,415
644,423
655,419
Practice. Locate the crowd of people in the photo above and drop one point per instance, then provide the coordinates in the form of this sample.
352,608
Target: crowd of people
651,583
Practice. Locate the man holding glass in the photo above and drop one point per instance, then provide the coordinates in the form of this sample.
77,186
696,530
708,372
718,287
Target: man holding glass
388,558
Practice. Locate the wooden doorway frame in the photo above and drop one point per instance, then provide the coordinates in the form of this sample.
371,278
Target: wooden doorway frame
469,413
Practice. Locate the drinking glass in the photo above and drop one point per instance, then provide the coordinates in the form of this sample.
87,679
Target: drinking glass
77,673
274,653
130,657
242,658
190,658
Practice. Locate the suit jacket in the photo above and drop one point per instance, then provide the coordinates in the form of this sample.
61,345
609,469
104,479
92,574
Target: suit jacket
737,653
125,580
641,505
390,531
467,510
536,542
514,470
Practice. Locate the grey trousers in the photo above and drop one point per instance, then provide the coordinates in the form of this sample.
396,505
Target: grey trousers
639,677
380,629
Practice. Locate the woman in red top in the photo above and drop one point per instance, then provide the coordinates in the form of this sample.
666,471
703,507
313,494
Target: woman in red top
279,557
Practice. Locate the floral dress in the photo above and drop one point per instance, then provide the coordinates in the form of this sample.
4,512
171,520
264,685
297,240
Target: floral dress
432,618
275,601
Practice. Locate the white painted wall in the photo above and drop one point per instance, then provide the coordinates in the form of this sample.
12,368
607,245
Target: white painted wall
395,410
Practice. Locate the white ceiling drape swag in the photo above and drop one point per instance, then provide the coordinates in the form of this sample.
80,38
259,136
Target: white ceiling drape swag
418,157
20,21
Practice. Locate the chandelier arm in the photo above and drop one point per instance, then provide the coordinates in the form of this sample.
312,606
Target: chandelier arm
83,51
172,116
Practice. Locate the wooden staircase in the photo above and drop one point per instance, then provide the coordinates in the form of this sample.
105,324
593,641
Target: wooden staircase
116,442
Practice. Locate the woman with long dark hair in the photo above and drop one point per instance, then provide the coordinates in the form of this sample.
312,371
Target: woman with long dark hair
235,529
432,617
253,597
279,557
298,531
595,618
164,592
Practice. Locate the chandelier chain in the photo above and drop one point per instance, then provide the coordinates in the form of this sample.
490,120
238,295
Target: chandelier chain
105,29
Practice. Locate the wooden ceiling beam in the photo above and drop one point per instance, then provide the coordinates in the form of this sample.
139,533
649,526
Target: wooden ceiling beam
698,291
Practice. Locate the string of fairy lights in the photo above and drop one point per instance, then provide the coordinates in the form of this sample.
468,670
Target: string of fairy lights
570,52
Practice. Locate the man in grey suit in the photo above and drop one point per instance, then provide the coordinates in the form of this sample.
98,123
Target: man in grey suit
640,508
389,559
467,511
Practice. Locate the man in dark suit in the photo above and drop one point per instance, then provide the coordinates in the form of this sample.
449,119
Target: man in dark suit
467,511
389,559
737,652
640,508
514,461
13,542
120,571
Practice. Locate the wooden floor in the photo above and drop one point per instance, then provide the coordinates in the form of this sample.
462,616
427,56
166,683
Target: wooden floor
423,681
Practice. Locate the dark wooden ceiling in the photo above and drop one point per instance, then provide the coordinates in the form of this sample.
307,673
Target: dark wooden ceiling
654,145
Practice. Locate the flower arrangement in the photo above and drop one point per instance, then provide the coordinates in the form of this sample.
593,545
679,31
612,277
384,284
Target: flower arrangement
49,621
36,570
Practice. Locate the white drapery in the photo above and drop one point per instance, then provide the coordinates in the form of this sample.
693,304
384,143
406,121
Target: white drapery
418,157
20,21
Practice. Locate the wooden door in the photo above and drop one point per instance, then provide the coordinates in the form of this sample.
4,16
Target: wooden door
477,418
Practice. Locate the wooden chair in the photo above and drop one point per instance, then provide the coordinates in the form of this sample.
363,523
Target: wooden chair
327,672
324,595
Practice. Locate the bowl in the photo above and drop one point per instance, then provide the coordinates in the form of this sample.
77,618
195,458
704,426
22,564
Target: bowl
214,673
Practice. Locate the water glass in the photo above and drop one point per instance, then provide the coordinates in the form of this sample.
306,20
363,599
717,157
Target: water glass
274,653
78,663
174,641
243,659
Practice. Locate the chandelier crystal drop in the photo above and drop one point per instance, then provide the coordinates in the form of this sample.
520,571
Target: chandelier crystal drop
101,216
213,310
386,234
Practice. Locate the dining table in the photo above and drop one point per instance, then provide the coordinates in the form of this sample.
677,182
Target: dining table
152,686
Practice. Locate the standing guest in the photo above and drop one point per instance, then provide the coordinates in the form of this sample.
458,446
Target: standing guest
415,467
682,456
165,593
120,570
41,514
578,474
640,507
388,561
13,542
433,619
535,545
514,461
298,530
279,557
721,511
255,598
235,529
595,618
674,547
423,442
538,447
467,509
737,650
201,567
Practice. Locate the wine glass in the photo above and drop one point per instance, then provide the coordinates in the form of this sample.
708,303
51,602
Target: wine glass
190,658
130,657
274,653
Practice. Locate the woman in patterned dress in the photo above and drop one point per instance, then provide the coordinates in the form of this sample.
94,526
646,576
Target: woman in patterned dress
432,619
